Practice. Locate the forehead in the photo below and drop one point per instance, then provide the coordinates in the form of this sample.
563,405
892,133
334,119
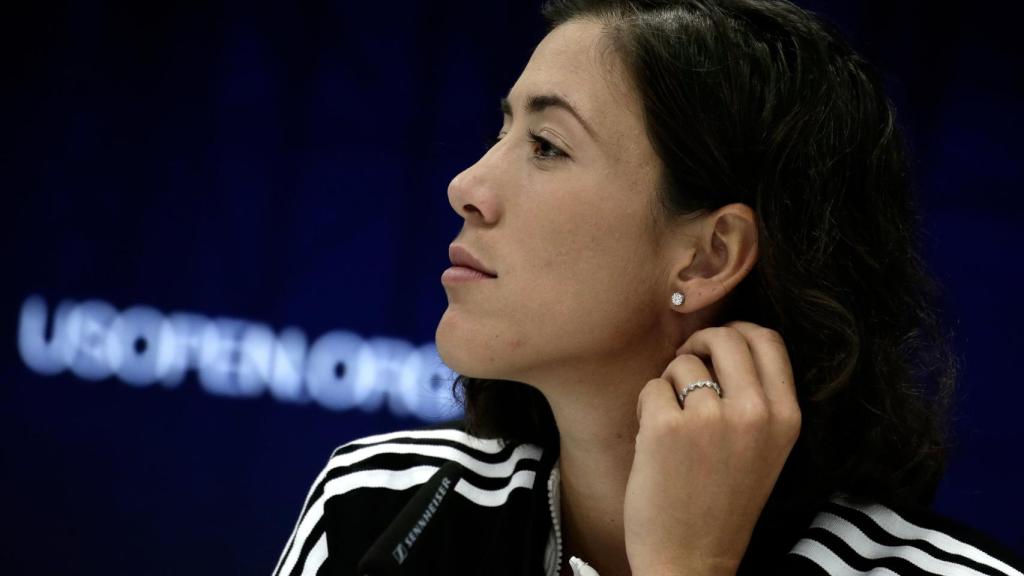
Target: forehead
576,62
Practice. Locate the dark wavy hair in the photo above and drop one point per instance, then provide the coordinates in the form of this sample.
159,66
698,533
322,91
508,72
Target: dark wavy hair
760,102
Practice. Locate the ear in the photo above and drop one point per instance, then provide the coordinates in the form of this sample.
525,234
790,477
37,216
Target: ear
723,249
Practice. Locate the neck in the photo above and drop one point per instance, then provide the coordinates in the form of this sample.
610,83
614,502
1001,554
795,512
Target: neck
594,470
597,426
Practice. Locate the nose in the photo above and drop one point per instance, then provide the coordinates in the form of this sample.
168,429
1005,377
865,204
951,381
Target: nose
473,193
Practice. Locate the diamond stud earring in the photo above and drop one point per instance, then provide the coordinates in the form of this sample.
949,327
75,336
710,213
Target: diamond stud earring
677,298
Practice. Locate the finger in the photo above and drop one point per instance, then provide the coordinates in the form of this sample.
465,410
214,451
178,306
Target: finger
730,358
684,370
771,359
656,399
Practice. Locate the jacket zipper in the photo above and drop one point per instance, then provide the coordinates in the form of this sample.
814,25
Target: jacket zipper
556,514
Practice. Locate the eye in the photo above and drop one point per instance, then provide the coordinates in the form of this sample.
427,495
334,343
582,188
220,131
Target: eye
545,149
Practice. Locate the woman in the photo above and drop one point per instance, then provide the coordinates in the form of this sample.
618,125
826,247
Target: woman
693,329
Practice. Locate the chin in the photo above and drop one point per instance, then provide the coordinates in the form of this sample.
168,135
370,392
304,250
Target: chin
453,347
465,353
458,355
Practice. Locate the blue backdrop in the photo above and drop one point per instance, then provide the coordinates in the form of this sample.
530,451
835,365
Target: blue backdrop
224,226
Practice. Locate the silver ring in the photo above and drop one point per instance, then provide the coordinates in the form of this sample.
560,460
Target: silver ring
700,384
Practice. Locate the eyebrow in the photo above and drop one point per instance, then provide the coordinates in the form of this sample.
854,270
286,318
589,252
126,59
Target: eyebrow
540,102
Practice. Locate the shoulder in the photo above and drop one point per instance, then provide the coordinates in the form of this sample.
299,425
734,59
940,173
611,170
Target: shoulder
367,482
405,459
850,536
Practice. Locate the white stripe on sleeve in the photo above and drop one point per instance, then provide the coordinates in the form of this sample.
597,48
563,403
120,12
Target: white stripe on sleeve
894,524
495,498
482,444
829,561
867,548
496,470
316,557
394,480
342,484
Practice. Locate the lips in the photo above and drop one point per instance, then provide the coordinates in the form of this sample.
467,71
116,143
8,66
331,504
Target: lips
460,256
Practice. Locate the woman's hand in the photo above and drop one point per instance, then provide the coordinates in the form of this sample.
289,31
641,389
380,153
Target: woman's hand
702,472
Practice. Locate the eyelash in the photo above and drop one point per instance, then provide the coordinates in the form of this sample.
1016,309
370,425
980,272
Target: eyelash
557,153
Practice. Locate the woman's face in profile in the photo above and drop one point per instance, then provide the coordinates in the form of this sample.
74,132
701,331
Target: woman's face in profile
561,209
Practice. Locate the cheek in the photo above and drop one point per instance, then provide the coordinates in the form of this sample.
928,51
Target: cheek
591,281
579,282
600,250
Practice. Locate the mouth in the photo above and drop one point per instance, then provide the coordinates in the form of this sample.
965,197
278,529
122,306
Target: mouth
457,274
464,263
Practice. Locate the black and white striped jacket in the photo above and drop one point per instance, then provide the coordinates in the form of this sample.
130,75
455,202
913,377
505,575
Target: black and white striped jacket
499,515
